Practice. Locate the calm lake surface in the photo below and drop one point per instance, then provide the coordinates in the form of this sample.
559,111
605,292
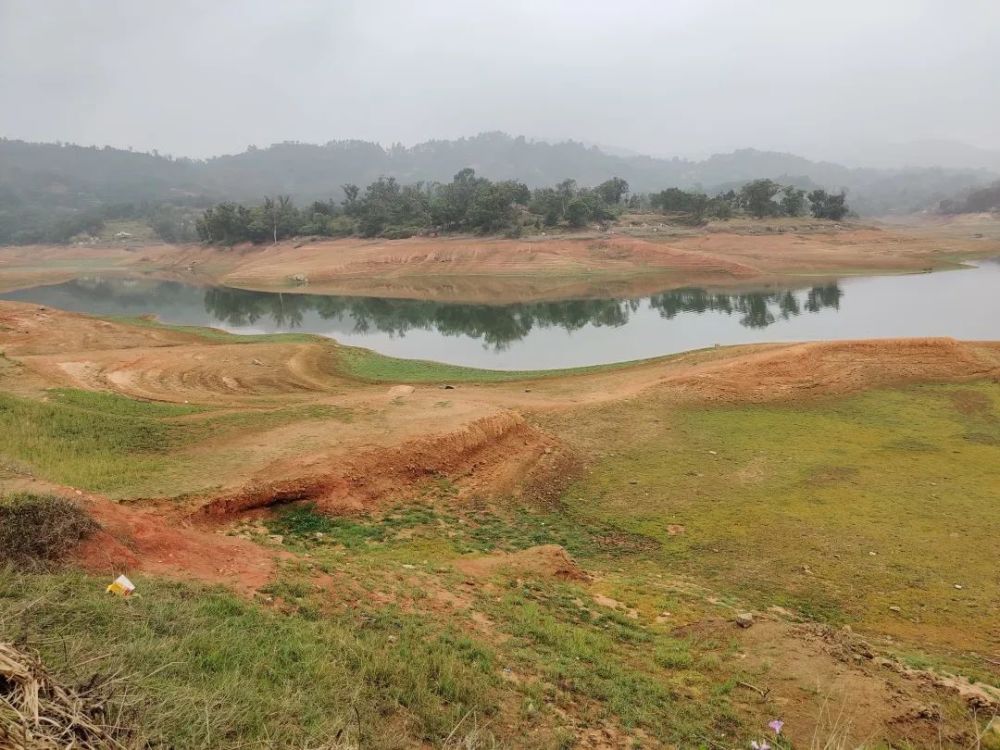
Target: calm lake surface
539,335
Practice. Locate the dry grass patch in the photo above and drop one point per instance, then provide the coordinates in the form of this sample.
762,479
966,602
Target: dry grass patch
40,713
37,531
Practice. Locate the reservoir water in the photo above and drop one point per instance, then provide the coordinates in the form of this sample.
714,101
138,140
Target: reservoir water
962,303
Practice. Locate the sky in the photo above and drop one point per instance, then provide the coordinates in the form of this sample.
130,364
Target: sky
846,80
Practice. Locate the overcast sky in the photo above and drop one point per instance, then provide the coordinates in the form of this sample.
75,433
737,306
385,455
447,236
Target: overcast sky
665,77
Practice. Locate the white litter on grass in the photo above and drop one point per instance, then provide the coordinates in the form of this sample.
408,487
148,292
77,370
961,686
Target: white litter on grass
121,586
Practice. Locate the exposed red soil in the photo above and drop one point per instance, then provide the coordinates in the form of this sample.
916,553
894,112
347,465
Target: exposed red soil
134,539
835,367
27,329
626,260
488,455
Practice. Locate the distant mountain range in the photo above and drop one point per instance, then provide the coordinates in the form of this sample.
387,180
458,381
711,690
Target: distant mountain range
69,178
922,153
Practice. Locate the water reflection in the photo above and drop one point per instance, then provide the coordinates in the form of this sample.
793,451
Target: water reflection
572,333
756,309
496,326
499,326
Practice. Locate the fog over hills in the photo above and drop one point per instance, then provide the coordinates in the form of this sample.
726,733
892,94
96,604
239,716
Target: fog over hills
75,177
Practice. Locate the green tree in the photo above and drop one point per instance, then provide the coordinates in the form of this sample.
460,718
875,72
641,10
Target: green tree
281,217
613,191
793,201
757,198
691,206
453,201
350,202
579,212
376,208
824,205
547,203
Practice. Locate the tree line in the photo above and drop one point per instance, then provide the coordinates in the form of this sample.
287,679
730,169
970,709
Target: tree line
473,204
385,208
26,225
759,198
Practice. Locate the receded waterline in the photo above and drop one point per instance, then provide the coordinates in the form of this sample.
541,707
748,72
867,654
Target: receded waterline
565,333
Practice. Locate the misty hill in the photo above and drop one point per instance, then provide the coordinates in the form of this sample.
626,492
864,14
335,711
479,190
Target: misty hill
974,201
61,179
923,153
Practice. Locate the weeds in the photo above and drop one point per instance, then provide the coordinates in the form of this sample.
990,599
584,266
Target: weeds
365,364
108,443
207,669
304,521
39,530
877,500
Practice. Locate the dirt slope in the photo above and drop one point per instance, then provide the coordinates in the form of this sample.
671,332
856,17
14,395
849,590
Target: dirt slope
626,260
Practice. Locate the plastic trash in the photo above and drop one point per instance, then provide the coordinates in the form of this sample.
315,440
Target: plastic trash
121,586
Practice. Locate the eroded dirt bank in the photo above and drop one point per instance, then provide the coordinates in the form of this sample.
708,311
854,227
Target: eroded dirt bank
624,261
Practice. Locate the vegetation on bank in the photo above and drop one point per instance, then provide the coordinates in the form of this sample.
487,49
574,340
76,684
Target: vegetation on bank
122,447
363,643
365,364
376,637
478,205
376,657
856,510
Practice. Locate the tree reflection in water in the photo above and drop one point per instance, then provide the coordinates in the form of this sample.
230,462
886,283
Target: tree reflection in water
500,325
757,309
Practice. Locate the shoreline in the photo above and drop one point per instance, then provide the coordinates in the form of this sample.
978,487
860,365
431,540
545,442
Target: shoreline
498,271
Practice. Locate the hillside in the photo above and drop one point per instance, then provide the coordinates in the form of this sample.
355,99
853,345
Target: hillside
68,178
328,544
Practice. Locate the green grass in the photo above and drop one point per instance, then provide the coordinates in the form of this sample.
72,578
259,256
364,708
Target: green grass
520,528
796,498
572,652
207,669
99,450
601,656
365,364
469,530
113,404
304,521
204,668
108,443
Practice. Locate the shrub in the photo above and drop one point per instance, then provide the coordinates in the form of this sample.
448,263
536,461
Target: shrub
39,530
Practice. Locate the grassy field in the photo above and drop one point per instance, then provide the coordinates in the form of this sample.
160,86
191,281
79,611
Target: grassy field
368,643
374,636
119,446
878,510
